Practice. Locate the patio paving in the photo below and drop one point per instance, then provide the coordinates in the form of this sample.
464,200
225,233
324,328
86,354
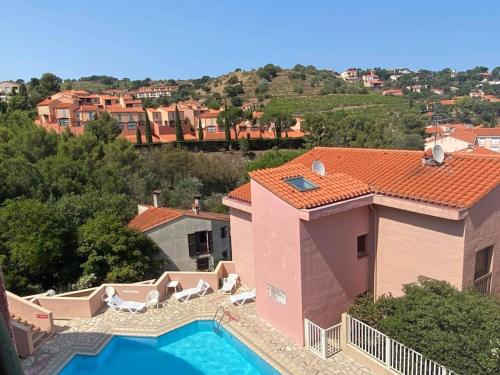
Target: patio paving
89,336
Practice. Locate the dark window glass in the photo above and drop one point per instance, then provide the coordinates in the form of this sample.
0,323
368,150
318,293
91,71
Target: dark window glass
362,245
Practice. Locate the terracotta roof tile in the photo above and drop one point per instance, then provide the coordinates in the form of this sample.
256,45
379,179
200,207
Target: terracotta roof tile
155,216
459,182
241,193
120,109
330,188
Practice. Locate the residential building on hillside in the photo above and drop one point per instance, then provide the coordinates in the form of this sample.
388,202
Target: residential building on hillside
350,75
154,92
393,92
458,137
372,80
437,91
190,240
208,121
334,223
72,109
8,88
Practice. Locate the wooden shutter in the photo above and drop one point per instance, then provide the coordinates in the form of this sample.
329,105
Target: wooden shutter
210,243
192,244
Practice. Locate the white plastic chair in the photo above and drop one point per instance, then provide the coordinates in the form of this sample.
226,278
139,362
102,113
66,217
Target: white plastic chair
153,299
109,292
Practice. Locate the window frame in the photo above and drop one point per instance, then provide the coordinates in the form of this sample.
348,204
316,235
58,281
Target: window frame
363,246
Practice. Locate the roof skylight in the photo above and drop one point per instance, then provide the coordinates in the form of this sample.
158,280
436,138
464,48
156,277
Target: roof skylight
301,184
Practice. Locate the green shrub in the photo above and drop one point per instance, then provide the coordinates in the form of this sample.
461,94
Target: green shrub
460,330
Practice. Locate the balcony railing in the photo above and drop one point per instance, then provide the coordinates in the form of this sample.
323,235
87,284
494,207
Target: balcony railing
483,284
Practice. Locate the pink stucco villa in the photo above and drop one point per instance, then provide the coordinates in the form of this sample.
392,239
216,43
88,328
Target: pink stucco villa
377,219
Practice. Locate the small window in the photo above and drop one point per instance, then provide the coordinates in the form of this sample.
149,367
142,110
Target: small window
211,129
224,254
223,232
483,262
481,141
495,141
362,245
301,184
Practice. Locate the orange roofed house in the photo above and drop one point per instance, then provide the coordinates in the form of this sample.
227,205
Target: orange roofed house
72,109
311,241
461,137
190,240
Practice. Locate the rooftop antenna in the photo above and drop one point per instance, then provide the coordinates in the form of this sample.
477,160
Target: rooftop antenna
438,153
318,167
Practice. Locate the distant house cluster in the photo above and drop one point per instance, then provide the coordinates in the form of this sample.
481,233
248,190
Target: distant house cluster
464,138
73,109
153,92
8,88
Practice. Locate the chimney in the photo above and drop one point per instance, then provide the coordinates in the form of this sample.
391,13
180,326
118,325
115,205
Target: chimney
156,198
196,204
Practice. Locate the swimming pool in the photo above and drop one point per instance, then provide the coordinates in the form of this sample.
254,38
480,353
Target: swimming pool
193,349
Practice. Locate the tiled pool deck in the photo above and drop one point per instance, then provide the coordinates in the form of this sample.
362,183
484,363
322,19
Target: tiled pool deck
88,336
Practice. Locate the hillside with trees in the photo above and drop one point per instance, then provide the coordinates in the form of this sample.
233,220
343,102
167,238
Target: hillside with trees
65,202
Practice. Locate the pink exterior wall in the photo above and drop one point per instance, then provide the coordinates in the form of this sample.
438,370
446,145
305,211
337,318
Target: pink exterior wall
31,312
276,241
23,339
332,274
411,244
482,229
242,245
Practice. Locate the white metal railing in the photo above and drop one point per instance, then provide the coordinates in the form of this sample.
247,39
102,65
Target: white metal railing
483,284
389,352
323,342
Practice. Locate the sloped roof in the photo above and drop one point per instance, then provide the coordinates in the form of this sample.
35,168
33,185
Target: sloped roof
459,182
155,216
330,188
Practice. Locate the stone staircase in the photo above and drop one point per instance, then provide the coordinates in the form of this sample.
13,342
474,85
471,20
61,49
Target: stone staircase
38,336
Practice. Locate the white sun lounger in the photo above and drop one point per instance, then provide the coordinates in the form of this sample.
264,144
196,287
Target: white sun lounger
230,283
200,289
117,304
241,298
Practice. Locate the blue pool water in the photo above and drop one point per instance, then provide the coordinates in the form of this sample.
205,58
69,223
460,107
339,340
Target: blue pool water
193,349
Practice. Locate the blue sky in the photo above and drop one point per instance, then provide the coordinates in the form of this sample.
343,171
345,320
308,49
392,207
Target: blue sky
189,39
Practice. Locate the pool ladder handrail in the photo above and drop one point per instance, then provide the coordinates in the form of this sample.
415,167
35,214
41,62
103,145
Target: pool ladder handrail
216,323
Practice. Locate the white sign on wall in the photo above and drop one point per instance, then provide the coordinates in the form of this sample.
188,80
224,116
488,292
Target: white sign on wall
277,295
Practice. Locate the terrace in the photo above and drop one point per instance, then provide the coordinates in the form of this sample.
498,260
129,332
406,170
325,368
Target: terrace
88,335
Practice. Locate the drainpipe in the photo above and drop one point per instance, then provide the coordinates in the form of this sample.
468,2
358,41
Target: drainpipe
375,250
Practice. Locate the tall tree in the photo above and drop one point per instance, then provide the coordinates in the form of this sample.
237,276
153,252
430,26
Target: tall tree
179,134
149,133
114,252
200,130
138,136
234,116
105,127
278,121
49,84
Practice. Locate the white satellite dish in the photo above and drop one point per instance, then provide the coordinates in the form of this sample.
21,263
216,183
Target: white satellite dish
318,167
438,153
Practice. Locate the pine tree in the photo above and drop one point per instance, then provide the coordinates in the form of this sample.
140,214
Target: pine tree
227,128
200,130
138,136
149,134
179,134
